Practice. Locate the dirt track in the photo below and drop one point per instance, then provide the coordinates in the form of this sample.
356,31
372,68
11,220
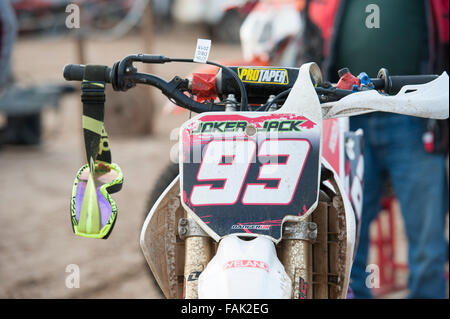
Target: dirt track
36,239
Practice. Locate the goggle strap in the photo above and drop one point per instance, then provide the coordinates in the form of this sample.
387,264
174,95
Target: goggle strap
93,98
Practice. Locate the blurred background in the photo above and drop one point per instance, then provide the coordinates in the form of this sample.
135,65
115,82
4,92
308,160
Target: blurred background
41,146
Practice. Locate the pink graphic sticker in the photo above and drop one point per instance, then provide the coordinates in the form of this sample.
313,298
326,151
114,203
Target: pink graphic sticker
246,264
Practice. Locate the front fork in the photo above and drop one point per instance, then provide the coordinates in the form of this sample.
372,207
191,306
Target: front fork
308,251
295,253
198,253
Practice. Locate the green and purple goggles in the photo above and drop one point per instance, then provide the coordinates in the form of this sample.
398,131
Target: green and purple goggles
93,211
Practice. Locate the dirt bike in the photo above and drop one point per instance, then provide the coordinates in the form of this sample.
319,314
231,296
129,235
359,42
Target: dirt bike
266,202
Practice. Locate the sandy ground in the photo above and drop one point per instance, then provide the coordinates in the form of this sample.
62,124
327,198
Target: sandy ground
36,239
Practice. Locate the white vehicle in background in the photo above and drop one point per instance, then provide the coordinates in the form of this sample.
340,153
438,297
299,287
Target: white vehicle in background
269,32
223,18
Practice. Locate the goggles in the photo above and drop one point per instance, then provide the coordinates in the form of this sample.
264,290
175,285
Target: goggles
93,210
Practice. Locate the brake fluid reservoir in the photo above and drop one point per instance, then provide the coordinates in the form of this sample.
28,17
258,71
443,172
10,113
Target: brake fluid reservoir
245,269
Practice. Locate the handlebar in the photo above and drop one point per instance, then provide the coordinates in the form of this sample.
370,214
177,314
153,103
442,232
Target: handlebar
123,76
76,72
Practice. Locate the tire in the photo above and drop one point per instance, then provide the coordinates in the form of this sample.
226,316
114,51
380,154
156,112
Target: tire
164,180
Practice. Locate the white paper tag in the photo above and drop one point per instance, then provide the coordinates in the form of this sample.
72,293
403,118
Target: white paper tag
202,50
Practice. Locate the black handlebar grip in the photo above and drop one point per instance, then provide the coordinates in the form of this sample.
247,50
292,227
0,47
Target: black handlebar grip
74,72
396,82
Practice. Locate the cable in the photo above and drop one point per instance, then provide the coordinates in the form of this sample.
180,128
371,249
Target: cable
266,106
244,99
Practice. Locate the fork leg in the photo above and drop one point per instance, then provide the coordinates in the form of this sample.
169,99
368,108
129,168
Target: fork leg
296,256
198,253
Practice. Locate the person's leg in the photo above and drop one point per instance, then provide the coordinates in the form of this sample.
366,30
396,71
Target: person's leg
419,180
372,190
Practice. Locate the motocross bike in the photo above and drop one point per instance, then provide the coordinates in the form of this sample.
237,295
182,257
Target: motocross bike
260,208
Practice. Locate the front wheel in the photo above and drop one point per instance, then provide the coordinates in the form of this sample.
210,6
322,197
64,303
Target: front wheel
169,173
165,178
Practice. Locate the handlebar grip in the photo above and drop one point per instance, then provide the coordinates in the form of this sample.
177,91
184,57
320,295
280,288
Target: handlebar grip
396,82
75,72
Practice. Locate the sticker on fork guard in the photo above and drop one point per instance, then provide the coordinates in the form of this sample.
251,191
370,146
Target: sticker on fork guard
264,75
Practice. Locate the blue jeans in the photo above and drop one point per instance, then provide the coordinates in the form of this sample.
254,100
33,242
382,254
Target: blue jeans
393,145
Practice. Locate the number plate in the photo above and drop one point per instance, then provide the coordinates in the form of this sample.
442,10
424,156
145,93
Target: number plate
243,173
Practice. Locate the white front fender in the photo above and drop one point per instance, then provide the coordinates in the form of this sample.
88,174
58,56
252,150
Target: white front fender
247,269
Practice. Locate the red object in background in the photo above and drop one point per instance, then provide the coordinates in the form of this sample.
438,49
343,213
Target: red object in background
243,9
204,86
385,251
347,81
428,142
384,246
32,4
